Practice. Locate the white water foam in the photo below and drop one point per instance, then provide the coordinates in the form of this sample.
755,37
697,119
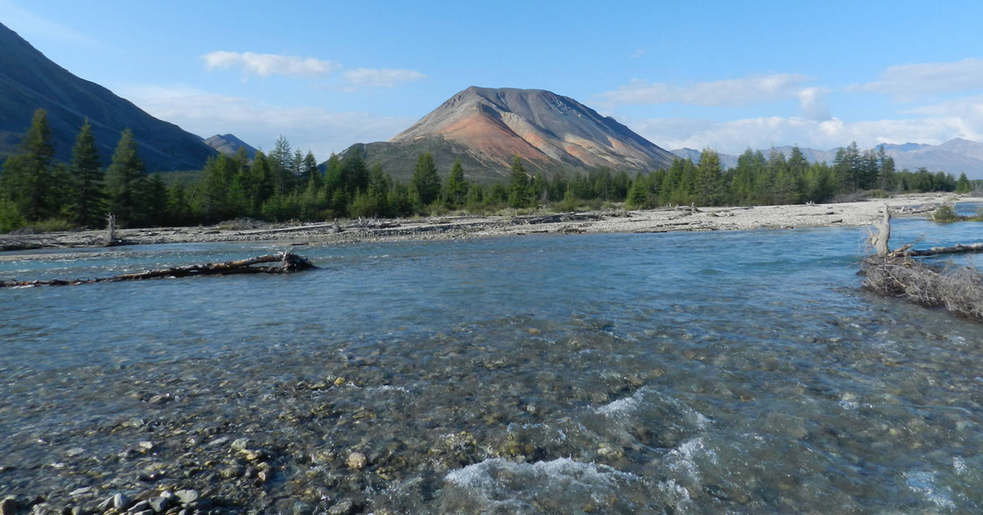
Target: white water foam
923,483
502,483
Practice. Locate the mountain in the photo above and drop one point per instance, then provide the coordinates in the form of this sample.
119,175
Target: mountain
29,80
228,144
726,160
954,156
485,127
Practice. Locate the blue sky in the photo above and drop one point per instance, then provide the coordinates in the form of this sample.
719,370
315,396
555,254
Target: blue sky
727,75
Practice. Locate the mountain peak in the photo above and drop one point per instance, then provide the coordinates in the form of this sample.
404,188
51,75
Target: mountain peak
547,130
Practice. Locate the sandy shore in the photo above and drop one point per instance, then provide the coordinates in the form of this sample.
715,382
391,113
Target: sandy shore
454,227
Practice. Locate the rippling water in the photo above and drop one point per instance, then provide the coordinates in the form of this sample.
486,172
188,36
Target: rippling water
655,373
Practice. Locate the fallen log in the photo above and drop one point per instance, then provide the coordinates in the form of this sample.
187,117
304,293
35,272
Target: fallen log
906,251
281,263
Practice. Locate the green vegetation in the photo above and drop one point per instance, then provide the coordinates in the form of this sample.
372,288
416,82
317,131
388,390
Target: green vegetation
945,214
287,184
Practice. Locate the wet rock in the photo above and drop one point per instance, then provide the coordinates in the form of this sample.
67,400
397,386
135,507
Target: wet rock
121,502
345,507
356,460
8,506
105,505
187,496
140,506
159,504
80,491
161,399
240,444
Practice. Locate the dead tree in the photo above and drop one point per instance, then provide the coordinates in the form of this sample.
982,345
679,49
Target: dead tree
281,263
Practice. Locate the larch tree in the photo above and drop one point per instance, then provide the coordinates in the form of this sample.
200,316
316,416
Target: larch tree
125,180
86,197
28,176
425,183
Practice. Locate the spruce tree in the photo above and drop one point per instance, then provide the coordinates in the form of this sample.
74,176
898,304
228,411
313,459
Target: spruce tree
456,188
28,176
518,183
87,200
425,183
125,179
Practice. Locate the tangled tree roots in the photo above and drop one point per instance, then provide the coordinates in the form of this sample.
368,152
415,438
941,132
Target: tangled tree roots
959,290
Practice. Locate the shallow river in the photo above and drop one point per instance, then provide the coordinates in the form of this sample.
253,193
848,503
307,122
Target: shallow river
740,372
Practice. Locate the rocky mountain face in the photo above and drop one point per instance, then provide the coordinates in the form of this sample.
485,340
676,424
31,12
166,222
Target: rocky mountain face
29,80
954,156
228,144
485,127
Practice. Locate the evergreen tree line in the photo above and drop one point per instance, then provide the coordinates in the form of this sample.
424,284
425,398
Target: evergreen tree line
286,184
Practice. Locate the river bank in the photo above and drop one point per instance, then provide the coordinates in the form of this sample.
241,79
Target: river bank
682,218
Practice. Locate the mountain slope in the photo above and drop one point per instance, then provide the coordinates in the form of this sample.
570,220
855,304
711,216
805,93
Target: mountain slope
29,80
229,144
485,127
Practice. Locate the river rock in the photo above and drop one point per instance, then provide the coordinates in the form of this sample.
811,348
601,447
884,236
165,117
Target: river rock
345,507
240,445
356,460
8,506
121,502
187,496
140,506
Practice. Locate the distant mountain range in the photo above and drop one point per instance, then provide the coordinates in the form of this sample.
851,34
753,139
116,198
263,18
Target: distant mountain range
485,127
954,156
228,144
29,80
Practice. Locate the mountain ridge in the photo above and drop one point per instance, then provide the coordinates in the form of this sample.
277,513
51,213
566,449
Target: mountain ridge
955,156
29,80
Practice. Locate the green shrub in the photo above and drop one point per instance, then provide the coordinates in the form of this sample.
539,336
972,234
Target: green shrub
945,214
53,225
10,217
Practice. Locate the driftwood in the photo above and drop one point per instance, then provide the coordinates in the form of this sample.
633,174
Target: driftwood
896,274
281,263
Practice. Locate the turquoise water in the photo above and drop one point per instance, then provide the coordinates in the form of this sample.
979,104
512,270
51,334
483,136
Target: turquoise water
651,373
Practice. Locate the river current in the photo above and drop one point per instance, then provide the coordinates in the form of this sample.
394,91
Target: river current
739,372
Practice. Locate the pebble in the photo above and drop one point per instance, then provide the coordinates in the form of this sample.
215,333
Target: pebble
80,491
187,496
345,507
158,504
8,506
140,506
121,502
356,460
240,444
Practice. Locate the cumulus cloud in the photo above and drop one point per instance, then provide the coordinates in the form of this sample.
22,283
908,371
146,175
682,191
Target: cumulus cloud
269,64
909,81
733,137
321,130
754,89
380,78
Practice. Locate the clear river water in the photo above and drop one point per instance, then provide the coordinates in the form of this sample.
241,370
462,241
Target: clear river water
738,372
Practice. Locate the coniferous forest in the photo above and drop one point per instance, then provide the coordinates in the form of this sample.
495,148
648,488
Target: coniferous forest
287,184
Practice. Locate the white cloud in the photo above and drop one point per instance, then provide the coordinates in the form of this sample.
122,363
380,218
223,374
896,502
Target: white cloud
908,81
269,64
638,53
380,78
733,137
753,89
315,128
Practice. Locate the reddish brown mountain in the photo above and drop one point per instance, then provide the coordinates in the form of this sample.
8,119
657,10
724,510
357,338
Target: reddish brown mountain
485,127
